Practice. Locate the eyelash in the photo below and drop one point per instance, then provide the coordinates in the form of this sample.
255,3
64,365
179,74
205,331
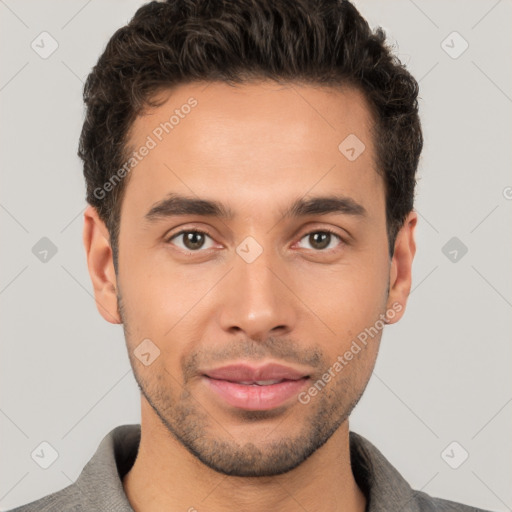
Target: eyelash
325,230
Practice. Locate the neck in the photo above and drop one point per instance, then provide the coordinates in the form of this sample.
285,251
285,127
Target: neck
166,476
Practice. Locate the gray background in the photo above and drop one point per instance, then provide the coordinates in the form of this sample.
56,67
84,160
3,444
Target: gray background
443,373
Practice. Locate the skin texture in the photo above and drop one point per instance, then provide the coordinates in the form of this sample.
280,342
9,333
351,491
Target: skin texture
256,148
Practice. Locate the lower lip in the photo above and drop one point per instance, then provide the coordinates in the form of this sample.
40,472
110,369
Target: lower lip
254,397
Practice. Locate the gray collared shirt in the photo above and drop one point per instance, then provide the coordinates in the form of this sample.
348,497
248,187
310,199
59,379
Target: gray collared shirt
99,487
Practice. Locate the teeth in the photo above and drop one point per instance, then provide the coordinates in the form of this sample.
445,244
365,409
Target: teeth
261,382
267,382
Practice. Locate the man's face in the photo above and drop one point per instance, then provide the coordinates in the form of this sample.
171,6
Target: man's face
258,287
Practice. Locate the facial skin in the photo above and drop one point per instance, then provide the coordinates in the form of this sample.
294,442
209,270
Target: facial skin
255,148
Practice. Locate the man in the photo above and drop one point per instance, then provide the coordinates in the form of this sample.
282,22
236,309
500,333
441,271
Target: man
250,172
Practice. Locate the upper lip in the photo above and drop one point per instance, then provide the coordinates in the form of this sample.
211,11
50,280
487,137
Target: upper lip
245,372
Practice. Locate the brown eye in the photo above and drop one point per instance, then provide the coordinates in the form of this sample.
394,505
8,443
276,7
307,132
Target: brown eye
191,240
320,240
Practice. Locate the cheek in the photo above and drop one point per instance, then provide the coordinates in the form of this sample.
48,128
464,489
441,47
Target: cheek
347,297
159,298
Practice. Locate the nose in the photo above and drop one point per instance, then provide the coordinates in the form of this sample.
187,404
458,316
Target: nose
257,299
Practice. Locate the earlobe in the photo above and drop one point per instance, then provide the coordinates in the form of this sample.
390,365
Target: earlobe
101,266
400,275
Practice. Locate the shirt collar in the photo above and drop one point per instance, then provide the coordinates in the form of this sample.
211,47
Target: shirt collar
385,489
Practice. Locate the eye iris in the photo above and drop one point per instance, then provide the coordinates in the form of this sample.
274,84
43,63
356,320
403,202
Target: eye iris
191,238
320,239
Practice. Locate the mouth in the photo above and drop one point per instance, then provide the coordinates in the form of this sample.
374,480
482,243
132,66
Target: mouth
255,388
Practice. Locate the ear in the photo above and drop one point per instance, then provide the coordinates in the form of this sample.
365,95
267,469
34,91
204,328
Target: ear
400,275
101,265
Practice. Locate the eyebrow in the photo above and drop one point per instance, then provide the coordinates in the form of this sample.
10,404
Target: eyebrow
178,205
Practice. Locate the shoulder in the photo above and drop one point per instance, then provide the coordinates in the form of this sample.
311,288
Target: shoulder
65,500
427,503
99,486
386,489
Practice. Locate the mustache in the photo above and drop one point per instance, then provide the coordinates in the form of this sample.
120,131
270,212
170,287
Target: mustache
280,349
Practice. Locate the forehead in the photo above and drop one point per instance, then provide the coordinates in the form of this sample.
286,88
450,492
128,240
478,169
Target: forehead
254,140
